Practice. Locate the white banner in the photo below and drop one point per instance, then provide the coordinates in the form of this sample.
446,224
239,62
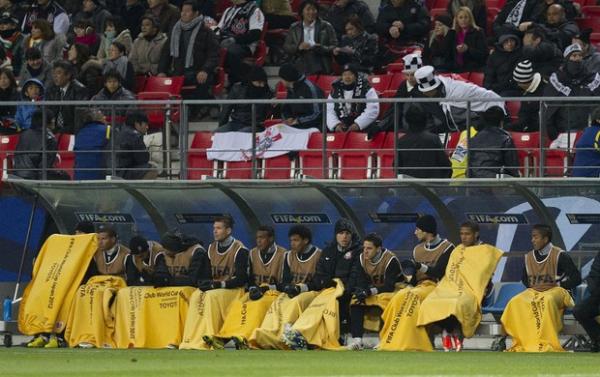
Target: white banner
274,141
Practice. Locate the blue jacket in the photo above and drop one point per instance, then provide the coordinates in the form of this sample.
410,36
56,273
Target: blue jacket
587,156
92,137
24,112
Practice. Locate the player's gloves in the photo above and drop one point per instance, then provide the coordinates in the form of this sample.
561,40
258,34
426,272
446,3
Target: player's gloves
255,293
361,294
292,290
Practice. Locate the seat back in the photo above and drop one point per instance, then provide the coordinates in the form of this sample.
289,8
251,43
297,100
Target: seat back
513,108
385,157
476,78
171,85
356,160
198,164
380,83
527,145
324,82
311,159
66,155
506,293
8,145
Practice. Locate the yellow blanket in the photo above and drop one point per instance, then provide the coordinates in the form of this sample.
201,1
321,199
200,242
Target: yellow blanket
533,319
57,272
149,317
319,323
206,315
92,316
284,310
375,306
245,315
400,331
461,290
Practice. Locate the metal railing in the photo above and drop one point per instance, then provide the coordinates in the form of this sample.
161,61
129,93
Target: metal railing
175,114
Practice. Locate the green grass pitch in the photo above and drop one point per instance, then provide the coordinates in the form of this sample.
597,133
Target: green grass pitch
17,362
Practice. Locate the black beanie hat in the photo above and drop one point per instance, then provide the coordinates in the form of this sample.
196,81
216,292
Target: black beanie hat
173,241
289,72
427,224
138,245
343,225
86,227
444,19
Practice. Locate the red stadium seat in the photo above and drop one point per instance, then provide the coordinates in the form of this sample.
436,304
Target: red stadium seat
527,145
221,6
451,140
156,113
476,78
385,157
491,16
171,85
436,12
396,81
66,155
140,83
588,23
395,67
280,167
591,11
198,164
311,160
595,38
280,90
441,4
356,161
8,144
324,82
237,169
380,83
513,110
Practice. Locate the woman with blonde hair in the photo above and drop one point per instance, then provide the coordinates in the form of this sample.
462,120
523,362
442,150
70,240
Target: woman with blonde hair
438,51
470,49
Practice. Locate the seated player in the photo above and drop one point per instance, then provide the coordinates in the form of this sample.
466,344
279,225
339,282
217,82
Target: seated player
533,318
430,258
587,310
229,276
376,276
183,261
455,304
140,263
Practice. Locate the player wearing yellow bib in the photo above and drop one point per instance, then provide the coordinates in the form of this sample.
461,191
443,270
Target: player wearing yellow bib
110,257
182,262
533,318
376,273
140,263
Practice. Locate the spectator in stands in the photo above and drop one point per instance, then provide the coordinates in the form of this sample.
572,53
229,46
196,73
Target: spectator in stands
192,51
357,46
86,34
587,157
543,54
587,310
94,11
167,14
13,8
33,91
591,56
407,89
114,31
420,152
35,67
239,117
342,10
515,15
65,87
118,60
44,39
90,144
558,29
133,159
571,80
311,41
477,8
403,22
301,115
530,84
470,50
29,161
500,65
87,71
239,30
541,9
113,89
146,50
132,12
8,92
492,150
278,13
11,40
452,115
351,117
50,11
439,49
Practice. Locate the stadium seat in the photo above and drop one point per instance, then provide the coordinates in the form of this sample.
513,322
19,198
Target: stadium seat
433,13
198,164
476,78
441,3
260,53
171,85
217,89
311,160
280,167
395,67
450,140
559,154
513,108
505,293
237,169
527,145
280,90
591,11
356,160
595,38
491,16
324,82
156,113
66,155
8,144
140,83
588,23
385,157
221,6
380,83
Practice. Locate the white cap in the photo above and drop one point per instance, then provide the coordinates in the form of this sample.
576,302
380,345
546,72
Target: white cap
426,79
412,62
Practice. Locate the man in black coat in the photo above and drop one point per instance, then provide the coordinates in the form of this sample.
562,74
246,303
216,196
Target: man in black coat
586,311
403,22
492,150
420,152
558,29
543,54
133,159
66,88
301,115
342,10
500,65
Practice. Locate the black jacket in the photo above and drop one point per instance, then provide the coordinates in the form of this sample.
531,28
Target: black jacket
593,279
10,94
132,16
387,122
336,263
31,140
422,164
562,34
414,17
545,58
492,151
337,16
439,53
540,9
476,55
529,113
499,70
242,113
308,114
75,92
134,152
500,26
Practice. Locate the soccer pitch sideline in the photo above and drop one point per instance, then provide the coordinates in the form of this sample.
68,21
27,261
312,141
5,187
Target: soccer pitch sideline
16,362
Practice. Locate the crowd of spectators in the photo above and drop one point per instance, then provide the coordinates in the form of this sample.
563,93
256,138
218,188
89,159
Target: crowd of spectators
67,50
